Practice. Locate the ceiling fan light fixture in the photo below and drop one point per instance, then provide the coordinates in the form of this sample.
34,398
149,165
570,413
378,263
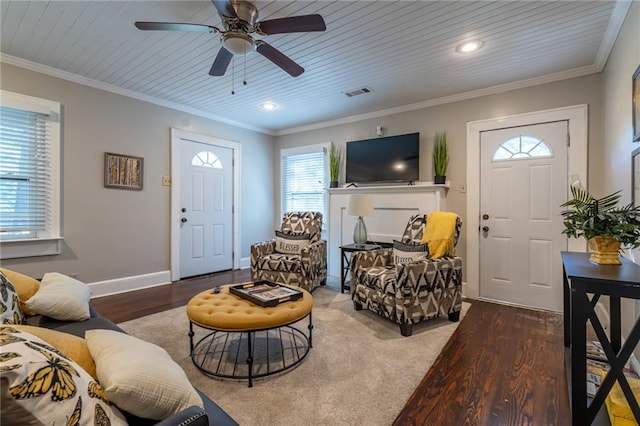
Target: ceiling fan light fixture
237,42
469,46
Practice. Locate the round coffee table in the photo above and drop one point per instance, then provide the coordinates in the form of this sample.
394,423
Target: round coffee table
239,329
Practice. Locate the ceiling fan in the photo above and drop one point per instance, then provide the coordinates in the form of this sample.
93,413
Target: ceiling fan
240,20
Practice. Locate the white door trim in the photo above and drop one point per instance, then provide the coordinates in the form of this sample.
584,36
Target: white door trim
176,136
577,169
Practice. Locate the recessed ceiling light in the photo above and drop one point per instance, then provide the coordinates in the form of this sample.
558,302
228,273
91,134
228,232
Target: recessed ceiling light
469,46
268,106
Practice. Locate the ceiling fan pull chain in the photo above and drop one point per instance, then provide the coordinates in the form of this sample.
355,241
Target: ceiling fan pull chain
233,76
244,81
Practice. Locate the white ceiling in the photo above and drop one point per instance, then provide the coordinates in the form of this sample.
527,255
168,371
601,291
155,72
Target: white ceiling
403,50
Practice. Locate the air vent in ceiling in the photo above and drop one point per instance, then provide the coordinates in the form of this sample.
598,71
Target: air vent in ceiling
360,91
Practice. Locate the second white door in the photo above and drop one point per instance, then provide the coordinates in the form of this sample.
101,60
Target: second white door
206,231
523,182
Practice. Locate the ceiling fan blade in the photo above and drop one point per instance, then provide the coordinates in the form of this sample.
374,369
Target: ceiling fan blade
221,63
174,26
279,58
292,24
225,8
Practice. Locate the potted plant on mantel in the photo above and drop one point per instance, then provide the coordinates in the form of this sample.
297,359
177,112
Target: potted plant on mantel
440,158
603,223
335,161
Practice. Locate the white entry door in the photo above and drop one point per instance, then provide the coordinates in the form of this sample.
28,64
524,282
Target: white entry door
523,181
206,194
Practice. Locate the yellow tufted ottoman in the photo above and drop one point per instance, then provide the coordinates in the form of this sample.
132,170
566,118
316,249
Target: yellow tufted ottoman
238,329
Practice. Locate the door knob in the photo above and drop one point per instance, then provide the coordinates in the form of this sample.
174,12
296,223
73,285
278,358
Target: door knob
485,229
183,220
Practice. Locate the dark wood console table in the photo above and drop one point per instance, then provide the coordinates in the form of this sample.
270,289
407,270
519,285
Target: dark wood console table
581,278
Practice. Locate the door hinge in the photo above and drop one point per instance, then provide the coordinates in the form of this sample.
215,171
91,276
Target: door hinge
568,139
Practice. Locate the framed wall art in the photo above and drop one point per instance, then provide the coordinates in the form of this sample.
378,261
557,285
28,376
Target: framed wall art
635,176
123,171
636,105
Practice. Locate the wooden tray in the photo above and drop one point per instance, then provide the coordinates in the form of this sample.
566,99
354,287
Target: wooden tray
265,293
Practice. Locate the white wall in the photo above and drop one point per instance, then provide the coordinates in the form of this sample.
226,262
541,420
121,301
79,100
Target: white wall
110,233
617,122
453,119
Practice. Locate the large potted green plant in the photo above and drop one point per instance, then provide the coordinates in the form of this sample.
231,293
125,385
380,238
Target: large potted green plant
335,161
603,223
440,158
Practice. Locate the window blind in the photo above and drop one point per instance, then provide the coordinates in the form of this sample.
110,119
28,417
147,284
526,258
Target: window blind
25,178
303,182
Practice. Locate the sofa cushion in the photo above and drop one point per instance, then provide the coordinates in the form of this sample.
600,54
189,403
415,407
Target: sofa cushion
409,252
291,243
140,377
73,347
24,285
10,311
39,385
61,297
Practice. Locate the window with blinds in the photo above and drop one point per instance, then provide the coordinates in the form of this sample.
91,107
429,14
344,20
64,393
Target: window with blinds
29,175
24,173
304,179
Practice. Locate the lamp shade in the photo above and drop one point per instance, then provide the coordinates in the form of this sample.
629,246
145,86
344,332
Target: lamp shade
360,205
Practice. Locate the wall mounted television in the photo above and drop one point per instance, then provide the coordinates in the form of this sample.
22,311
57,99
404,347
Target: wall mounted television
386,159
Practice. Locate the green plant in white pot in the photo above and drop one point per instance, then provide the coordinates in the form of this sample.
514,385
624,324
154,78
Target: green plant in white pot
440,158
603,223
335,161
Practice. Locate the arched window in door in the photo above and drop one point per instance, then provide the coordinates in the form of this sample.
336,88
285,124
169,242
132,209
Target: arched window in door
206,159
522,147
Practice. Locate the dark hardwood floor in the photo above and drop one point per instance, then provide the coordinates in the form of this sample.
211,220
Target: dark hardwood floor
502,366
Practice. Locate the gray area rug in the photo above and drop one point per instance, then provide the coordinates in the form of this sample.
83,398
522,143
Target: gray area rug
359,371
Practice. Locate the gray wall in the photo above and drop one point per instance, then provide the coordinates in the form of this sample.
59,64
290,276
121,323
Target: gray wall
617,119
453,119
110,233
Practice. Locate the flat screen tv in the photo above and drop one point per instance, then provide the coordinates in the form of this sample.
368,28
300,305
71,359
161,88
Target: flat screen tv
387,159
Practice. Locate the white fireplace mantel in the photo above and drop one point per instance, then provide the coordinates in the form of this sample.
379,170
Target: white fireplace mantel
392,204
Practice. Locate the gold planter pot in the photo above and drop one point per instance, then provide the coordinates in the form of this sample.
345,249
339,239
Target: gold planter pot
604,250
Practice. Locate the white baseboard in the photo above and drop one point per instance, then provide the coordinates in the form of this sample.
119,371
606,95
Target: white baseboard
124,284
602,315
245,262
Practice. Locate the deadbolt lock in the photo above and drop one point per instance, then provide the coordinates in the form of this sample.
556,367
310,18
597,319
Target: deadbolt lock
485,217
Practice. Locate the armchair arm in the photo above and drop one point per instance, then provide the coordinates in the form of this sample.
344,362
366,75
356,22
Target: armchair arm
368,259
261,249
194,416
314,258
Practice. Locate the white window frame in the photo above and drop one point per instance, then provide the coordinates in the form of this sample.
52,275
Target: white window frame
302,150
50,241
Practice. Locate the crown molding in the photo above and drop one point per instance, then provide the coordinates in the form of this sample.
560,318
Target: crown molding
75,78
549,78
620,11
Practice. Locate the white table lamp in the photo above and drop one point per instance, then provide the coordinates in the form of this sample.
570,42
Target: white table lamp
361,206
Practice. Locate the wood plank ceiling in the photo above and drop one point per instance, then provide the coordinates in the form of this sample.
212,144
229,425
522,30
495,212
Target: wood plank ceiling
403,50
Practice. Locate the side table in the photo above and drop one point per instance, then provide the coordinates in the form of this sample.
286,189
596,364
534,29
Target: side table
345,261
581,278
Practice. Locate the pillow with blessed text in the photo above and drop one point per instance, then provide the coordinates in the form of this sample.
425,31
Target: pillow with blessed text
291,243
409,252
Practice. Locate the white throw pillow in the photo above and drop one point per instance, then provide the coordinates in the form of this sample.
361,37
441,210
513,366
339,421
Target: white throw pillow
61,297
291,243
140,377
40,386
409,252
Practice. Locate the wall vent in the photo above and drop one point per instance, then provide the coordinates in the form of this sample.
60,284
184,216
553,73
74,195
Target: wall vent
360,91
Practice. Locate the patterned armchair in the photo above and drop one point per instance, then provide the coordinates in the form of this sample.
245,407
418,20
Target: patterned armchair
307,269
408,293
